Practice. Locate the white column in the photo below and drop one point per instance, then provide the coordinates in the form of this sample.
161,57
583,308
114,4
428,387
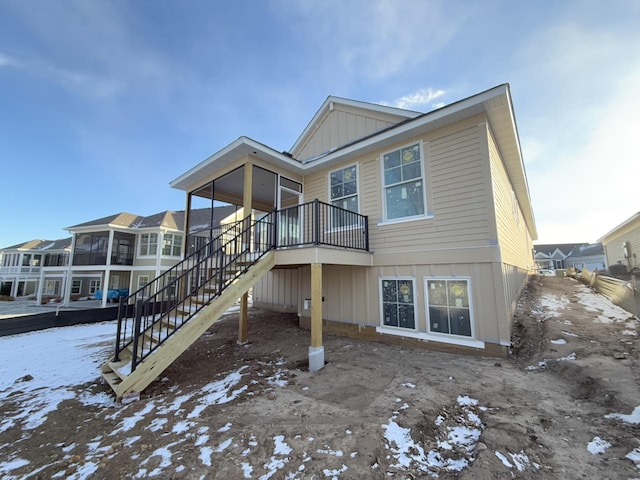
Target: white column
67,279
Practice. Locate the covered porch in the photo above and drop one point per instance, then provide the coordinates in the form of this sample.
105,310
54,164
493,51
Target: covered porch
301,232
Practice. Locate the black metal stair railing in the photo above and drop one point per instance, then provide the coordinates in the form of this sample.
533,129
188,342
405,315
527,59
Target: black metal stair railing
149,316
154,312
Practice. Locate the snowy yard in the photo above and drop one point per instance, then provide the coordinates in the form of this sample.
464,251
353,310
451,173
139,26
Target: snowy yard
375,411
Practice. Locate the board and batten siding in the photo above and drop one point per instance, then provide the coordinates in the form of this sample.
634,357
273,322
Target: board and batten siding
352,295
278,290
341,125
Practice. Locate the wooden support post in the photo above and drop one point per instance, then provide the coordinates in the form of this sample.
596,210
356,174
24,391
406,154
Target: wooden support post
247,204
316,350
243,323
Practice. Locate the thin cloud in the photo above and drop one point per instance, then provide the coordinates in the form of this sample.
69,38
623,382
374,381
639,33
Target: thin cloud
419,98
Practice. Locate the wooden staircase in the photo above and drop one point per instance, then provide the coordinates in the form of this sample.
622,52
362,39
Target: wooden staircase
155,330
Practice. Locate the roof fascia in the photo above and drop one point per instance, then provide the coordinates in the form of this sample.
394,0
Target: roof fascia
626,223
241,146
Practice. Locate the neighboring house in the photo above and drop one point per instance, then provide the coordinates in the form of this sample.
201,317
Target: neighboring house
589,256
125,251
391,223
554,256
622,244
22,265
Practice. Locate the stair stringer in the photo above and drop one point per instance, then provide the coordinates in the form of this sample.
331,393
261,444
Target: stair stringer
149,369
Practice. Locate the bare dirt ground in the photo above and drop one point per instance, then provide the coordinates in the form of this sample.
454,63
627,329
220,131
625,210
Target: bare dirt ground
538,413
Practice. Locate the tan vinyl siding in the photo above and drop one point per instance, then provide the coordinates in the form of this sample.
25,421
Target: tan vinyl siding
342,125
352,294
457,190
513,236
613,245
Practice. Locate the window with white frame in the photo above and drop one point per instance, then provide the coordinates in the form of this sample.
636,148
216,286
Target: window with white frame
52,287
171,244
343,191
403,183
76,286
148,244
94,286
449,306
142,281
398,302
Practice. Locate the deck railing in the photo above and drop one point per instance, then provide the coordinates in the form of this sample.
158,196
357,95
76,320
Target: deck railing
161,307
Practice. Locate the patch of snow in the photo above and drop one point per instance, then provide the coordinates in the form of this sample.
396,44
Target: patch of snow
597,445
181,427
335,453
226,428
634,456
130,422
246,469
408,385
560,341
570,357
334,474
631,333
223,446
503,459
6,467
553,304
452,453
633,418
205,455
219,392
156,424
569,334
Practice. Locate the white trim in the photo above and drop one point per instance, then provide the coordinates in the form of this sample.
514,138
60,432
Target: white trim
357,195
453,338
405,220
421,178
415,303
403,332
139,249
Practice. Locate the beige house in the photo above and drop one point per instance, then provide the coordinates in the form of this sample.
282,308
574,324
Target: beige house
380,222
622,244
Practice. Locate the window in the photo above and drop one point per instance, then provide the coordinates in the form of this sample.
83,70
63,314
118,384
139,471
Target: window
171,245
91,248
404,194
76,286
344,194
148,244
52,287
94,286
398,303
142,281
448,306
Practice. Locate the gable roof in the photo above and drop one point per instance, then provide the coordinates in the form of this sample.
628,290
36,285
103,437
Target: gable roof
378,117
550,248
122,219
587,250
495,103
42,245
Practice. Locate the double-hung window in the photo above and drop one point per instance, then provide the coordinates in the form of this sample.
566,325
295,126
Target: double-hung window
171,244
344,194
94,286
448,306
148,244
403,180
398,302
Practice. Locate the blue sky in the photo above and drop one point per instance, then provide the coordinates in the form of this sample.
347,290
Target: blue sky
103,103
